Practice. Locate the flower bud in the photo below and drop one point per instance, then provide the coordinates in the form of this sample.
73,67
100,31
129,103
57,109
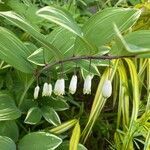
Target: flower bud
107,89
49,92
45,89
36,92
87,84
59,88
73,84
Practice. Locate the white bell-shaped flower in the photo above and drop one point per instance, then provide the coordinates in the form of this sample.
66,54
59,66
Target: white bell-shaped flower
36,92
73,84
87,84
45,89
107,89
49,92
59,88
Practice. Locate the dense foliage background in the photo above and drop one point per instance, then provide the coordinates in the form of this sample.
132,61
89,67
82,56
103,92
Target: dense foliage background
36,36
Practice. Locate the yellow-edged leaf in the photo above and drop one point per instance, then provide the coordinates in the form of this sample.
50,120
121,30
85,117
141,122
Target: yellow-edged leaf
74,141
63,127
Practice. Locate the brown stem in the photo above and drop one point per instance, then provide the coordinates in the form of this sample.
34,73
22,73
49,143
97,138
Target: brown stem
48,66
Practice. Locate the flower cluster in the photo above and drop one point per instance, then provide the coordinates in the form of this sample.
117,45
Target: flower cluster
59,87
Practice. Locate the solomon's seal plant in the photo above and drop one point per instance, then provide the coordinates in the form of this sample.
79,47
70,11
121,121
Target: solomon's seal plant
51,98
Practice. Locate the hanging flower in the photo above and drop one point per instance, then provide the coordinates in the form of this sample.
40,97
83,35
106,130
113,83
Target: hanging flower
87,84
36,92
45,89
59,88
107,89
49,92
73,84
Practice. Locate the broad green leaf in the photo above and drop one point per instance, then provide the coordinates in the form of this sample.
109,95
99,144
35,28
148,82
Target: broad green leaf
31,29
41,57
60,17
33,116
63,127
37,57
28,10
10,82
81,147
9,129
26,88
144,35
58,104
31,47
128,45
103,50
6,143
75,137
27,104
65,146
24,78
99,30
143,44
134,2
8,109
63,40
50,115
13,51
39,141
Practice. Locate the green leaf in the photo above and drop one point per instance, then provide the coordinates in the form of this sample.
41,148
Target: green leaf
39,141
31,47
99,30
63,127
9,129
40,57
74,141
60,17
24,78
58,104
81,147
143,44
134,2
27,104
63,40
50,115
37,57
6,143
28,84
128,45
8,110
13,51
28,10
65,146
33,116
31,29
